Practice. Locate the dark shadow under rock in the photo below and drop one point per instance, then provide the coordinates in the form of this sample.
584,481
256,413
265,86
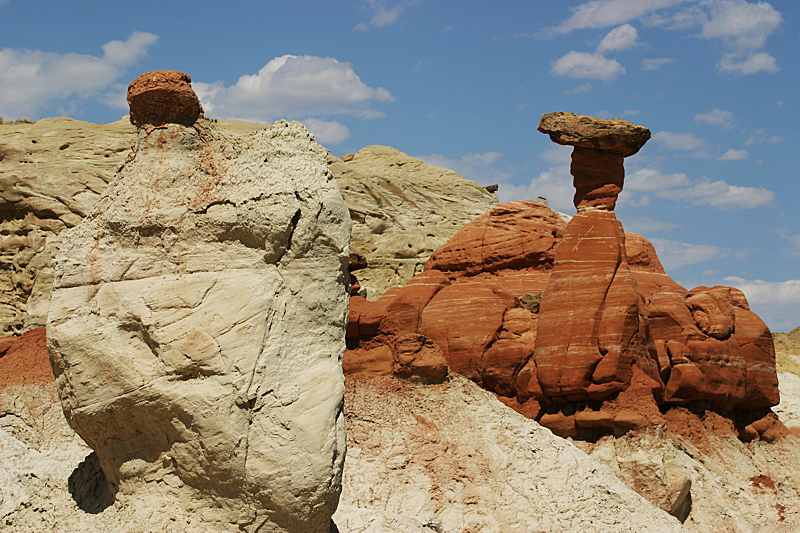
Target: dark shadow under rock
89,487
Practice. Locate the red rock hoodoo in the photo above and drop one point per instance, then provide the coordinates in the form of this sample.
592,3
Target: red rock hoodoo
576,325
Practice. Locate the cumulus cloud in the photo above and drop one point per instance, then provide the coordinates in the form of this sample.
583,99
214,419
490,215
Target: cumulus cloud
587,66
30,80
648,179
327,132
602,13
655,63
292,87
678,141
716,117
741,25
675,254
383,14
555,184
776,302
734,155
722,195
760,136
735,64
620,38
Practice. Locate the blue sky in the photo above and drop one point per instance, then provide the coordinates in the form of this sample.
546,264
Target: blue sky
463,84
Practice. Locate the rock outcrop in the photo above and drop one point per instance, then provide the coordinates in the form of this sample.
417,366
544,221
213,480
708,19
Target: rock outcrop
197,321
53,171
592,323
402,210
577,325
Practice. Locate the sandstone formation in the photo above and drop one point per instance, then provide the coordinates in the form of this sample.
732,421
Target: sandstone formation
577,325
197,322
402,210
53,171
51,175
395,429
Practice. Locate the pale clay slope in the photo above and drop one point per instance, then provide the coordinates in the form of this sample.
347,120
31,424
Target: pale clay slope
410,463
453,456
402,208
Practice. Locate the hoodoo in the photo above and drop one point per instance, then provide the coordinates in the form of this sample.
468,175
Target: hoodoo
198,316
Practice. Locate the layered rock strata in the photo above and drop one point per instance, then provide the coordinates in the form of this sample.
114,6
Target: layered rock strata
197,321
592,326
578,325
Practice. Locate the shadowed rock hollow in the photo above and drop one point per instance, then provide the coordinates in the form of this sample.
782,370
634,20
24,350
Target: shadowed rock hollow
197,321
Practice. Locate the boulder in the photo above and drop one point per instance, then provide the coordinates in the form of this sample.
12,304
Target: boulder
197,324
615,136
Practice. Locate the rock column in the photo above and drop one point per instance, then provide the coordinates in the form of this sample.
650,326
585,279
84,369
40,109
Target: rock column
592,327
198,318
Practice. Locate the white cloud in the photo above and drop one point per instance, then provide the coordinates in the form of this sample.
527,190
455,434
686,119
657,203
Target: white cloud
743,28
776,302
716,117
655,63
685,18
760,136
554,184
631,112
722,195
648,179
476,167
291,87
383,15
678,141
31,79
674,254
734,155
620,38
327,132
602,13
752,64
558,155
741,25
587,66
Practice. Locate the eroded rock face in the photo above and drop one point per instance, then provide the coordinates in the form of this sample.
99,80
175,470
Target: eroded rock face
578,325
197,325
402,209
52,173
592,322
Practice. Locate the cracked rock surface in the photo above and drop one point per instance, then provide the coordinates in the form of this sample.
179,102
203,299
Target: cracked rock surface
196,327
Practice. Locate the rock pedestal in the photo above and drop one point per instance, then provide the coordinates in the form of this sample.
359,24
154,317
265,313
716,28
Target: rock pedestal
198,319
592,323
